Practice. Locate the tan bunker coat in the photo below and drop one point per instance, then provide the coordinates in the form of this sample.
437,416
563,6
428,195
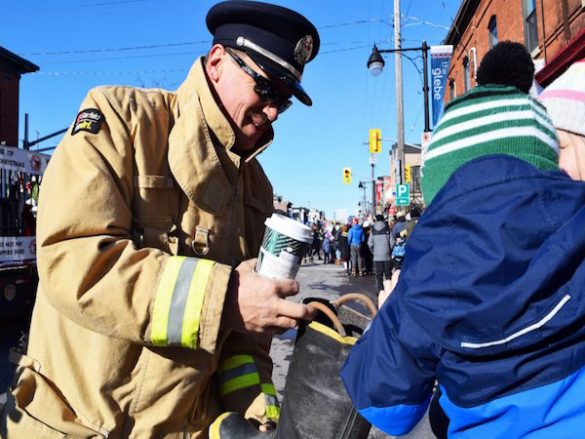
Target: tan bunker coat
144,211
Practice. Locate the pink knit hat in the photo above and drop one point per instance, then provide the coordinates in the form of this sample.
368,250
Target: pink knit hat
565,99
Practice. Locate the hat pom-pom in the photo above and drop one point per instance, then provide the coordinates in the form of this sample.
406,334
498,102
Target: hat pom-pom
507,63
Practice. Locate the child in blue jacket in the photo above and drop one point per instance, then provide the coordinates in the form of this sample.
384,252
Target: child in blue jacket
490,301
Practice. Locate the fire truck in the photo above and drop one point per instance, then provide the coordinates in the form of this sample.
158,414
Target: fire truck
21,172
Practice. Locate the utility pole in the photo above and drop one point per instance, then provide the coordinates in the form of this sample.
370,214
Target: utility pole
26,144
399,96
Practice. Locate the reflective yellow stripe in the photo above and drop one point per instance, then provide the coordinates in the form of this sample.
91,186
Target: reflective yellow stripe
268,388
235,361
271,401
332,333
195,303
214,429
162,300
251,379
272,412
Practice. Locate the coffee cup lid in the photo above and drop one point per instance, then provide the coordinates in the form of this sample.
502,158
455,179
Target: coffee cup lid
290,227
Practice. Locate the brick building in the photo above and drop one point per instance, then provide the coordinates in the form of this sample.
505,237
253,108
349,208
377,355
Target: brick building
553,31
11,68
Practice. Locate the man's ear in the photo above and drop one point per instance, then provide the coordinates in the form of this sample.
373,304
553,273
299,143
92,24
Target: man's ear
214,64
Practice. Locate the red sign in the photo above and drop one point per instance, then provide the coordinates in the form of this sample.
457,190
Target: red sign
379,190
388,190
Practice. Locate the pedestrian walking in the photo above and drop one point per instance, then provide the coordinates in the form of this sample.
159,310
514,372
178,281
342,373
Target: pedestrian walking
344,252
379,244
327,247
355,239
399,224
150,319
365,251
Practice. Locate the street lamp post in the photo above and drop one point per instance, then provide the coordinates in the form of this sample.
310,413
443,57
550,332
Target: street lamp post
362,186
376,65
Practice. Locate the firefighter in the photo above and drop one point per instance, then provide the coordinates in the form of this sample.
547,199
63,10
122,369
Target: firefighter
150,319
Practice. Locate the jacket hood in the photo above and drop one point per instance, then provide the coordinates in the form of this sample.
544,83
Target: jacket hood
379,226
492,265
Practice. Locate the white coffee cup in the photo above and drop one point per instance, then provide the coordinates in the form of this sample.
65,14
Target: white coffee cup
283,247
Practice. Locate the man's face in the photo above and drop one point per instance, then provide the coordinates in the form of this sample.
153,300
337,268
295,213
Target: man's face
251,114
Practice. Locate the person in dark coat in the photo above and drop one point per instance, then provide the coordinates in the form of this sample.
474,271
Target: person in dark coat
344,247
399,224
379,244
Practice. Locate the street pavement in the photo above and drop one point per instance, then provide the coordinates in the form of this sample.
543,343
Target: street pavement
329,282
316,280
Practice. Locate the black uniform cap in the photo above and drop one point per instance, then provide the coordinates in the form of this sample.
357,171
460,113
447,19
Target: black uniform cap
281,41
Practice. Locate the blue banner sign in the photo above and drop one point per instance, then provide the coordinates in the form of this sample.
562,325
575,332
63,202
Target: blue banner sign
440,60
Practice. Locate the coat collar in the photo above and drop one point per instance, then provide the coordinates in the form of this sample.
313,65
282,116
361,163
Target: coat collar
196,86
200,145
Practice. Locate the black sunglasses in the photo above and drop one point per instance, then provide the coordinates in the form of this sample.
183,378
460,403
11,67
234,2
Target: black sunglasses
263,87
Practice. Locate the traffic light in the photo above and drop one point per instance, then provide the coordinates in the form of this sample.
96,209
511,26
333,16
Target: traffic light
375,140
407,174
346,175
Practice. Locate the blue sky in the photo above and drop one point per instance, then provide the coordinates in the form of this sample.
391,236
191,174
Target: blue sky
152,43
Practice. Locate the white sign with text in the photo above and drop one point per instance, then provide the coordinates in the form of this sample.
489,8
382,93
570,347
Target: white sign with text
17,248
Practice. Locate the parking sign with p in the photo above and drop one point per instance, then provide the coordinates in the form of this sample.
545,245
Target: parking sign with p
402,194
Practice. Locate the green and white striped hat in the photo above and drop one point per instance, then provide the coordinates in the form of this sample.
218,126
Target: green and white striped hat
489,119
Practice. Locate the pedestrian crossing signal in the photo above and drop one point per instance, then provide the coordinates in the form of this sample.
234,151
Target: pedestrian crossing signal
346,175
375,140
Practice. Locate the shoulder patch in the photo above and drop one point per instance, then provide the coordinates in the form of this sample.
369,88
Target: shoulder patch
89,120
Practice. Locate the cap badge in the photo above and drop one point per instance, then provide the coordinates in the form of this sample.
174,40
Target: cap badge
303,49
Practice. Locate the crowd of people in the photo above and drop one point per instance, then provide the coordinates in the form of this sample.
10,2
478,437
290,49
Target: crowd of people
366,247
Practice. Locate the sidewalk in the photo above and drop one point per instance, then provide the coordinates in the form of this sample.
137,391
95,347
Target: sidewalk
329,282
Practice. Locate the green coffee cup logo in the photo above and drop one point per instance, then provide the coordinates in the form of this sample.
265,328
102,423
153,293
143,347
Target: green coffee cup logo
274,243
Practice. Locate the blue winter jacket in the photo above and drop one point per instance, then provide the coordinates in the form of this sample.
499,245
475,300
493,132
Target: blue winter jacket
356,235
491,304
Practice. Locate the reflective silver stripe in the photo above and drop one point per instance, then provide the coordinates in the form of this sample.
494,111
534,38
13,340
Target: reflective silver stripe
236,372
271,400
179,301
244,42
524,331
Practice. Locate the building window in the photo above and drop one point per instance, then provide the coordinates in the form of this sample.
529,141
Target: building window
530,29
493,31
466,78
452,92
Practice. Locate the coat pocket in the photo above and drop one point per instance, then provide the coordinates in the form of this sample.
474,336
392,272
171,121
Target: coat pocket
35,409
155,206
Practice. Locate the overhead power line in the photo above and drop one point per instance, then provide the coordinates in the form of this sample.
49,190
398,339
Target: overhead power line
418,22
118,49
105,73
357,22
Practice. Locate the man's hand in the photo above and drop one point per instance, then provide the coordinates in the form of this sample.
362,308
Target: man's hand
257,304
